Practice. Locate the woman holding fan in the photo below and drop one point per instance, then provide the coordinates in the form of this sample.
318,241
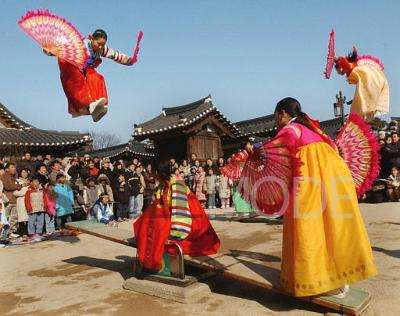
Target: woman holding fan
301,174
78,58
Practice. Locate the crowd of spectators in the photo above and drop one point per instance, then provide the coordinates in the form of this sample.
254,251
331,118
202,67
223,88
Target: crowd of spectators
40,194
387,187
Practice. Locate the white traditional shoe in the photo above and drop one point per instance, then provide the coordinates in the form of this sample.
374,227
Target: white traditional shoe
339,293
102,111
98,109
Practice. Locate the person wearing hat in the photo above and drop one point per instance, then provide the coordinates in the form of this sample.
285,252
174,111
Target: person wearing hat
90,193
64,201
103,187
103,212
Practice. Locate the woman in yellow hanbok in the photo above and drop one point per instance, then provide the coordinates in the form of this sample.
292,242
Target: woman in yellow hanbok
325,243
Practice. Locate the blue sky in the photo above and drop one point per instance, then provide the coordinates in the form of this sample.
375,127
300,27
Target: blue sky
246,54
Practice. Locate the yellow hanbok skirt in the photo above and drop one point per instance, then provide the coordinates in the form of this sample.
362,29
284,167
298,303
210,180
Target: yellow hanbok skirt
325,242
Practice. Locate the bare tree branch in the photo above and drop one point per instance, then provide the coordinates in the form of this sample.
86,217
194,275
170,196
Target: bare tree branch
104,139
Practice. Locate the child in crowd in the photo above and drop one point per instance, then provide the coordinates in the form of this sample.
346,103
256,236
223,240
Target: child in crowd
35,206
211,185
393,181
224,190
50,197
103,211
64,201
198,188
123,193
191,177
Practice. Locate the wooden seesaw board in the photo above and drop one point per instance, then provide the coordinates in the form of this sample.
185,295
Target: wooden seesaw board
236,266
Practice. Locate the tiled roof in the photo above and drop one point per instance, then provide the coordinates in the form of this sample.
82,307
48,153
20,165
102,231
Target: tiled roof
37,137
20,133
257,125
332,126
180,117
12,119
134,147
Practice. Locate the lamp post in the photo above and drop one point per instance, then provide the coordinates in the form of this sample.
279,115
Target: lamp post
338,106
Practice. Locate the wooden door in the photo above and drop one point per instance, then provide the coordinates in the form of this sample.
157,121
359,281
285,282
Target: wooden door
204,146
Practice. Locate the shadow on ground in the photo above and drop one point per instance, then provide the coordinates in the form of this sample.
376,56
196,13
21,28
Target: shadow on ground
391,253
123,265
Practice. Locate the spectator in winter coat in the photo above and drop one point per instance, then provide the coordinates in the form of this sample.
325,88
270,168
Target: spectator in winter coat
393,150
107,170
224,190
104,187
150,181
211,185
42,175
64,201
23,217
118,170
123,194
55,167
73,170
90,194
211,165
198,187
9,179
26,163
35,206
192,174
137,184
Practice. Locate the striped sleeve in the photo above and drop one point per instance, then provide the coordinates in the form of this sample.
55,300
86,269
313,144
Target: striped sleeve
115,55
181,219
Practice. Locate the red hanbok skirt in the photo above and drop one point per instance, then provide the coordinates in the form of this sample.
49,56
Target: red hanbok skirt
80,88
152,230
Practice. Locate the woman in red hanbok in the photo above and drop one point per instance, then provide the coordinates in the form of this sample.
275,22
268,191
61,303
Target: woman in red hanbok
85,88
174,215
78,57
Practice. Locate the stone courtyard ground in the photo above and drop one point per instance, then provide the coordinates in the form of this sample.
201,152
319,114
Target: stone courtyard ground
84,275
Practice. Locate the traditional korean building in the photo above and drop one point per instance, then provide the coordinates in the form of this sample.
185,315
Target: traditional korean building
126,151
17,136
200,128
197,127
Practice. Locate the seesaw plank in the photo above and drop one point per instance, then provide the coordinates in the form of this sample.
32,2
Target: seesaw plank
246,270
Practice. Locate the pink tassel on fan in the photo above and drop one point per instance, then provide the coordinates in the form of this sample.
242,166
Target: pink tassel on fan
135,55
330,58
